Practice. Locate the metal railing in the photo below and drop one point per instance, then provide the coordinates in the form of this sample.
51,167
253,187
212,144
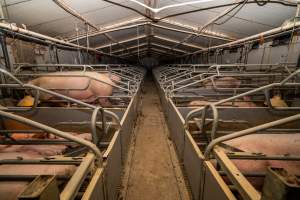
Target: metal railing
213,106
20,84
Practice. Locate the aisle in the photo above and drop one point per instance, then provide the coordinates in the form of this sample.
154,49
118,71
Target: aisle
153,171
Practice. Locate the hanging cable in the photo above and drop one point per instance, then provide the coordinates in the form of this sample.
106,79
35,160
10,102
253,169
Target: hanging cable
129,8
225,5
261,3
213,21
231,16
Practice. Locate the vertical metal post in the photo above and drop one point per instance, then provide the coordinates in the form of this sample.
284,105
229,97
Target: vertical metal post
298,10
56,54
5,52
2,17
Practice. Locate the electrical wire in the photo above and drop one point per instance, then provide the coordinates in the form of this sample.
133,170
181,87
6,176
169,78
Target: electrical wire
16,3
231,16
213,21
225,5
132,9
261,3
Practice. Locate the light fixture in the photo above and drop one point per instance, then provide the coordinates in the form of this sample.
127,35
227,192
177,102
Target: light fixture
157,10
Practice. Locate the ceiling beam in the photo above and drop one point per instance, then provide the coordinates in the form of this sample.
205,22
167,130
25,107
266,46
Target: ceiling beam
132,47
154,53
161,51
167,47
108,28
177,41
135,51
267,34
190,32
196,31
77,15
154,36
210,22
145,49
124,25
152,44
122,42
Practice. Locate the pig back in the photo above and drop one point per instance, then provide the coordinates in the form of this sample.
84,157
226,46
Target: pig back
72,85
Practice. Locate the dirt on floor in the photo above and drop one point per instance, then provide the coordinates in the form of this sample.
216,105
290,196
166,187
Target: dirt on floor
153,171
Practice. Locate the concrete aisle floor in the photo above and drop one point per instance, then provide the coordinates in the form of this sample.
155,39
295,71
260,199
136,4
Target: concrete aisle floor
152,171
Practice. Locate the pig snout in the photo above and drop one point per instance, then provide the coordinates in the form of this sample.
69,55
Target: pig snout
115,78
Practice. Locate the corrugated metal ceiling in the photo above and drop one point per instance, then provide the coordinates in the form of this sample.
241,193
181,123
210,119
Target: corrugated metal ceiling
46,17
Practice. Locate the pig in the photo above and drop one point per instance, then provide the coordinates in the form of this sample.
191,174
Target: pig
10,190
269,144
246,102
81,88
223,82
113,77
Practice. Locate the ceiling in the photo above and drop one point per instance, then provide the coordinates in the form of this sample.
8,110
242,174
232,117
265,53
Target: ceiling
131,34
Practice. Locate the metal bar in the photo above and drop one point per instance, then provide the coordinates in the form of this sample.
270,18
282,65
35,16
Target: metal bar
283,83
111,28
50,161
46,142
12,27
247,191
113,115
121,41
253,37
56,132
192,30
249,131
176,41
72,187
73,12
259,156
28,177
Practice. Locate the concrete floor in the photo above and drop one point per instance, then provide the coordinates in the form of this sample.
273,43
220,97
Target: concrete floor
153,171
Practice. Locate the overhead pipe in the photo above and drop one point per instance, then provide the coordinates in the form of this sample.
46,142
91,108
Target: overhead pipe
73,12
146,49
157,10
194,32
206,25
143,37
14,28
190,32
281,2
212,21
132,47
122,41
176,41
277,30
153,44
106,29
132,9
